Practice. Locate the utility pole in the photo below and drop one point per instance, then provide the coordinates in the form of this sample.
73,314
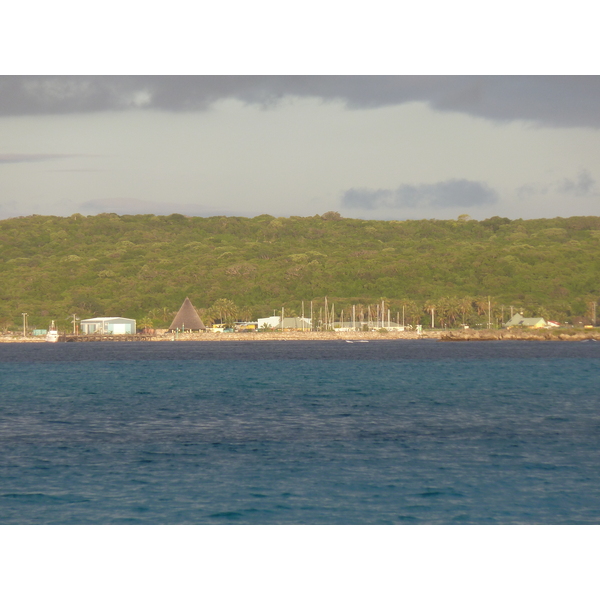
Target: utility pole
489,313
74,323
24,324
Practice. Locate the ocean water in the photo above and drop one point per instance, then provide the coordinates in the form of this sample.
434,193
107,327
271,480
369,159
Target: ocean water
384,432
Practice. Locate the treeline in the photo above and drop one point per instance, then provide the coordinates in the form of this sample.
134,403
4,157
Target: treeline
143,266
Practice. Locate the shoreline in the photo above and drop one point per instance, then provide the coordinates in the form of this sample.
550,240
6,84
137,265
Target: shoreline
250,337
484,335
350,336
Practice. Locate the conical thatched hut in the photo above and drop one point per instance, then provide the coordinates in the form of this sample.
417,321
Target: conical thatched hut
187,318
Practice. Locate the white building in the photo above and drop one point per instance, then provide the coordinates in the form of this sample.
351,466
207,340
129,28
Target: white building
108,325
295,323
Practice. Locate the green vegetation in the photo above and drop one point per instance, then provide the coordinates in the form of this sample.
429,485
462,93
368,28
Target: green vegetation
144,266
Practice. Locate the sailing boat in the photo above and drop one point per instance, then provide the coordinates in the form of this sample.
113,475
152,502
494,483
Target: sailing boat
52,335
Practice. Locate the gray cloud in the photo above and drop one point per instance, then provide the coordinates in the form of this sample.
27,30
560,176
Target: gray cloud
77,170
531,189
562,101
26,158
583,185
444,194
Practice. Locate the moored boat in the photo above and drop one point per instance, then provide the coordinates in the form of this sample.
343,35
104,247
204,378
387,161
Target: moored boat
52,335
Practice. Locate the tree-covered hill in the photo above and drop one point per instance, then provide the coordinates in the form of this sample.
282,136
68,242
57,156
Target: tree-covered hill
144,266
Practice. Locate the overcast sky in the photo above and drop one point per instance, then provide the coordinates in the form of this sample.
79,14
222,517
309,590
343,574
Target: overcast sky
374,147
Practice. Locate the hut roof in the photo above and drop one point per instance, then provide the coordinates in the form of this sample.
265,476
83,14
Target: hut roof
187,318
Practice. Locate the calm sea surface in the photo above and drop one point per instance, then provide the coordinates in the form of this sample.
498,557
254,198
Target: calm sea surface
384,432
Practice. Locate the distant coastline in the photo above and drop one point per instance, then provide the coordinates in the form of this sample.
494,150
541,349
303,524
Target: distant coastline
440,335
438,273
250,336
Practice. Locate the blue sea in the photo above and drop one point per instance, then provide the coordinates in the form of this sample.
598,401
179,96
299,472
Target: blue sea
315,432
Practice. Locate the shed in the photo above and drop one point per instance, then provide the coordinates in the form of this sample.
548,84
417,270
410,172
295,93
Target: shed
108,325
187,318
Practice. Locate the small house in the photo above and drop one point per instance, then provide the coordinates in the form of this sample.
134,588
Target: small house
519,320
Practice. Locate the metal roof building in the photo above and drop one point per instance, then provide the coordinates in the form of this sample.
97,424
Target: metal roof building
519,320
294,323
108,325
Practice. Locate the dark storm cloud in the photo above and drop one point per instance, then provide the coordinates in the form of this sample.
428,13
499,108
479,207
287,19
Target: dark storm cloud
549,100
444,194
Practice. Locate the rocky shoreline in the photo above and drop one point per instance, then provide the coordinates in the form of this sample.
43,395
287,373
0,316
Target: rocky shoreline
484,335
260,337
469,335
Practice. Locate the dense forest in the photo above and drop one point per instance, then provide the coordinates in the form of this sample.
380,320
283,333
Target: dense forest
143,266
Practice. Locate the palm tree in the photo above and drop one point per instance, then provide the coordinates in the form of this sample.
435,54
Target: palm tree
430,308
245,314
225,310
466,306
5,323
482,305
146,322
453,309
442,310
412,312
206,316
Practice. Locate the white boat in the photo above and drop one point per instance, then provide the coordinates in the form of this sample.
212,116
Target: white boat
52,335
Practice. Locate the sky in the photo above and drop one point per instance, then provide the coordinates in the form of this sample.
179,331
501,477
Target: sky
369,147
425,136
